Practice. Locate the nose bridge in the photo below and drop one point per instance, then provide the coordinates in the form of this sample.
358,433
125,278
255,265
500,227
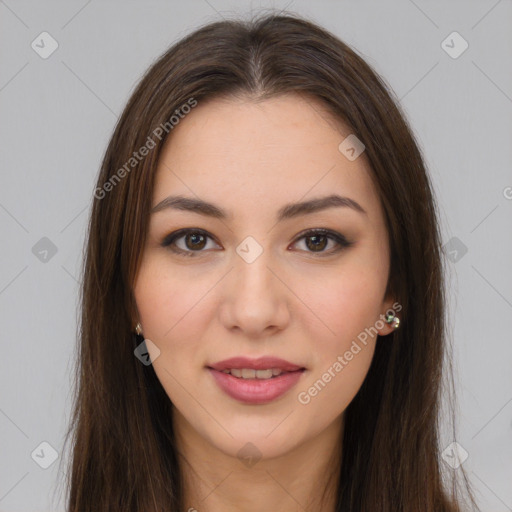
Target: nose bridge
252,274
257,298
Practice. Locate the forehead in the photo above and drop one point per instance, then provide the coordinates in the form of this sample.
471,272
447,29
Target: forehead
251,153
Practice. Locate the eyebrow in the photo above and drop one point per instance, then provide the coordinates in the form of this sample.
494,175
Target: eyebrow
288,211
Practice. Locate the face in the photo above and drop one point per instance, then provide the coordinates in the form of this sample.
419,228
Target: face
258,279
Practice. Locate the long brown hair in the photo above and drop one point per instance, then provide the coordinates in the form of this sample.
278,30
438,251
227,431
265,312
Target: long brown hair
124,455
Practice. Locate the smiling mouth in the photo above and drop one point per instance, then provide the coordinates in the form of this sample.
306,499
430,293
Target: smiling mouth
248,373
255,387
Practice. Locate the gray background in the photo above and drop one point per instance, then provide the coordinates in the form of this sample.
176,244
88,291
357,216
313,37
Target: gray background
56,118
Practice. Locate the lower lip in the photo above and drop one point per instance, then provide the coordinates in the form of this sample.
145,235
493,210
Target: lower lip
256,391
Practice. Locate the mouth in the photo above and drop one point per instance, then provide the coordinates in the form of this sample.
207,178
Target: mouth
256,381
256,391
249,373
264,367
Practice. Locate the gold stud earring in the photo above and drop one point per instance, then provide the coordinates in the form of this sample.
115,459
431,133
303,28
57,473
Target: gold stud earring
138,329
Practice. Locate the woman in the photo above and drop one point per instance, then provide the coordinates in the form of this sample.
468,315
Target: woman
262,305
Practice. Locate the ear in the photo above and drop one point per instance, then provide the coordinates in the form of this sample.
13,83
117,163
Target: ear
389,307
133,314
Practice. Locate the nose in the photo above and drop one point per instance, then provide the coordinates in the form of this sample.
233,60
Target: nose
255,299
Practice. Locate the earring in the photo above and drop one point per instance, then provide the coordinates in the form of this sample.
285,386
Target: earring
138,329
393,320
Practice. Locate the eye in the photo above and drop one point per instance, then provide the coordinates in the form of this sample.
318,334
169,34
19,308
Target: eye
316,241
195,240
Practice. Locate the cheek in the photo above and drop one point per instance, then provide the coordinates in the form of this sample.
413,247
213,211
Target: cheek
170,303
348,308
344,305
153,298
174,318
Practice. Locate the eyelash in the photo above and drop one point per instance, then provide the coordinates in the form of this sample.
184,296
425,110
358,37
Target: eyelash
342,242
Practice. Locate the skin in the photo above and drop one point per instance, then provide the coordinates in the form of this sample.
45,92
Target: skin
251,158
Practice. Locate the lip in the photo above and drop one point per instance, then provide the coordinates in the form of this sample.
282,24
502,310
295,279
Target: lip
256,391
261,363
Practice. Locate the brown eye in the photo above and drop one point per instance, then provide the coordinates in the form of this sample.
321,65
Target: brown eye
317,240
192,241
196,241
